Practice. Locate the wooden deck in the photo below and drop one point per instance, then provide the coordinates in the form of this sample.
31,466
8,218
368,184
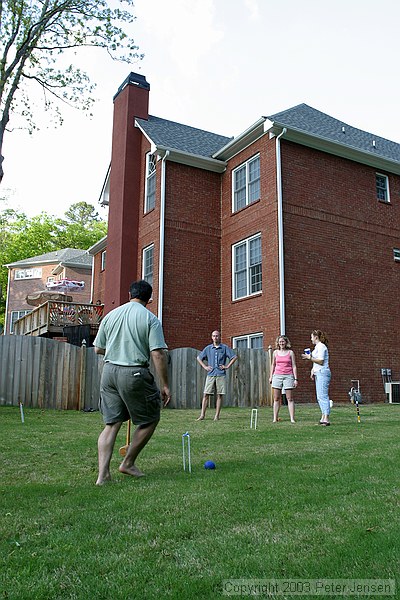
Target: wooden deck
50,319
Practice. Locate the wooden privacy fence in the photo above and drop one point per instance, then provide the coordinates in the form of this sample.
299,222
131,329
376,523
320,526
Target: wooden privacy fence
44,373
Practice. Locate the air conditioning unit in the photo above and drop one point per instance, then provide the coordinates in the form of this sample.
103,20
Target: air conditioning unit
392,390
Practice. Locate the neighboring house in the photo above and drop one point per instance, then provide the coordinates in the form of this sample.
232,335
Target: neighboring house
290,226
98,252
30,276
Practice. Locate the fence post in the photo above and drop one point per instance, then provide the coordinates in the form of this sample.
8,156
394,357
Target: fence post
82,377
270,397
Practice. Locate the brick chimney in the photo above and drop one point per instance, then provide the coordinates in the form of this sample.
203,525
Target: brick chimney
130,101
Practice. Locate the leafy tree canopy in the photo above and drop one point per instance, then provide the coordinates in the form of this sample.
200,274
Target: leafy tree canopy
22,237
36,39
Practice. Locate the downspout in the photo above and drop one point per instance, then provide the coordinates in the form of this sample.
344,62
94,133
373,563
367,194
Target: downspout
7,318
281,257
162,240
92,282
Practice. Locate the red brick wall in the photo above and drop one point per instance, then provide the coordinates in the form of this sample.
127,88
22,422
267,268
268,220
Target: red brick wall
192,256
340,275
149,224
258,313
191,301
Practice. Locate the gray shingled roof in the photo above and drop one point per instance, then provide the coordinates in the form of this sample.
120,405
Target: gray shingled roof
182,137
314,122
66,256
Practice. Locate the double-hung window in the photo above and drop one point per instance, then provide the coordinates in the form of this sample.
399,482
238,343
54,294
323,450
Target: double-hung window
148,262
382,187
15,315
103,260
246,184
28,274
253,340
247,267
150,191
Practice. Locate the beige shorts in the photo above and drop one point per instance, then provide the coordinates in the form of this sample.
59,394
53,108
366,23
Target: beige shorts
217,382
285,382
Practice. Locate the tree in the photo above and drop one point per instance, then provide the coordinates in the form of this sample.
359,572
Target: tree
81,228
34,37
22,237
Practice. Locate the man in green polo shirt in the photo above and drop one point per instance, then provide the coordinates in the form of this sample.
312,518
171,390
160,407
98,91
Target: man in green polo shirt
128,336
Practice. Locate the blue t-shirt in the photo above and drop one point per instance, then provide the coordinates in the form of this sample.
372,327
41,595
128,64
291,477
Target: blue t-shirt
216,355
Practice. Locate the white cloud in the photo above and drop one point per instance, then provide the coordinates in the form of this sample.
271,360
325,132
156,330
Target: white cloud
253,8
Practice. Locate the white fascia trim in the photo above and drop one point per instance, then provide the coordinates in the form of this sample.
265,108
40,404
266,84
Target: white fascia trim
98,246
350,153
193,160
153,146
244,139
105,190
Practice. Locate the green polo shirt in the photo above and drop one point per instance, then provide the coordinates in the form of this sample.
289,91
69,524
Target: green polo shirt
128,334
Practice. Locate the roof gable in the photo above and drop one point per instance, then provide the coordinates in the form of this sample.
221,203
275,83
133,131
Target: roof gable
66,256
311,121
189,140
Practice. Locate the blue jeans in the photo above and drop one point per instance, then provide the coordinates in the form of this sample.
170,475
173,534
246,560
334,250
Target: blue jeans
322,381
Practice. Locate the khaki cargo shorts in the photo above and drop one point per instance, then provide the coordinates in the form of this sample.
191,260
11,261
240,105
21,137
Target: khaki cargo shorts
128,393
215,381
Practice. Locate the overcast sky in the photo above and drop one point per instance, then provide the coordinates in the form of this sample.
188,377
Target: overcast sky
219,65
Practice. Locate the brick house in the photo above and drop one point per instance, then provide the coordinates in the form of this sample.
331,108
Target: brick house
290,226
29,276
98,252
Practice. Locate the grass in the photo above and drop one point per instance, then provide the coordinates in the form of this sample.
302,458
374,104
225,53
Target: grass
285,501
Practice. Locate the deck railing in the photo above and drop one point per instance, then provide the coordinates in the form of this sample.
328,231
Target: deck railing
52,317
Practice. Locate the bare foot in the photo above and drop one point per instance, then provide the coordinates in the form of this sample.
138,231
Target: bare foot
200,418
103,480
133,471
293,421
216,418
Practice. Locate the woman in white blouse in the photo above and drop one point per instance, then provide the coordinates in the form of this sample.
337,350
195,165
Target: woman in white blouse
320,372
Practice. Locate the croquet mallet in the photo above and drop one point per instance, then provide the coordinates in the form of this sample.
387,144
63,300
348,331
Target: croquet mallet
124,449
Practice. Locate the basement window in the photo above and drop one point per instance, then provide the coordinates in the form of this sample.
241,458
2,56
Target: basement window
253,340
396,254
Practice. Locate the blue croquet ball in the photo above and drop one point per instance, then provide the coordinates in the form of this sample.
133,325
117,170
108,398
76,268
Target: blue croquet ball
209,464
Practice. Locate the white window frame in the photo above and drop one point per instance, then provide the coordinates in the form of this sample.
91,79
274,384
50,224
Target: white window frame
103,260
248,338
247,184
20,313
34,273
149,192
148,275
250,269
384,190
396,254
51,278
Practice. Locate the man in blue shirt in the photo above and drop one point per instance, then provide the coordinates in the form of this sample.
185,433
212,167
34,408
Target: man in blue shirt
216,355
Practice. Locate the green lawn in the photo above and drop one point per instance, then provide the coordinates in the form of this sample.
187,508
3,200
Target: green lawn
285,501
